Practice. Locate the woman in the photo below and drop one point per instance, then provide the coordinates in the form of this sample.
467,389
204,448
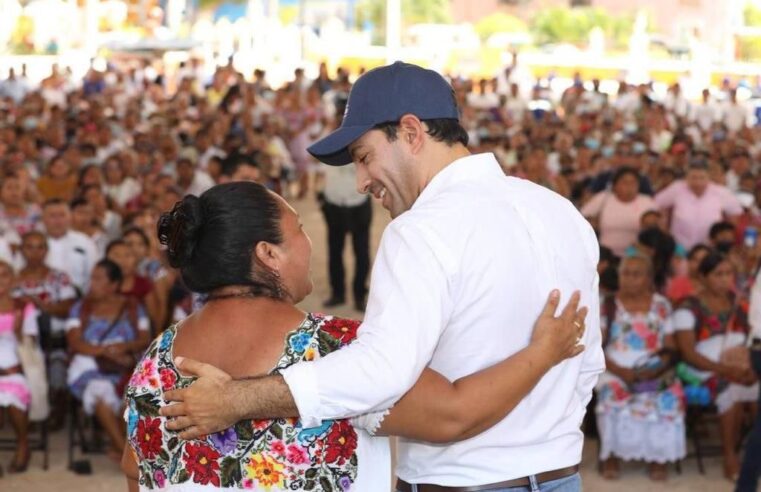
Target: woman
53,294
133,284
244,246
16,214
152,269
684,286
105,326
707,324
58,181
616,213
16,319
119,187
647,423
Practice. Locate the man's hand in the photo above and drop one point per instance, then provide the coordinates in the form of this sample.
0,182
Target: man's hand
206,406
559,337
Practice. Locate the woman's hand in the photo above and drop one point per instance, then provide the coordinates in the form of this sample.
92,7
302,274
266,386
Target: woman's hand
559,338
734,374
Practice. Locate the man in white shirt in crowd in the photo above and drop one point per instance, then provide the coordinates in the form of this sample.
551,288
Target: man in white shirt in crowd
192,181
346,212
14,87
735,114
707,113
69,251
462,272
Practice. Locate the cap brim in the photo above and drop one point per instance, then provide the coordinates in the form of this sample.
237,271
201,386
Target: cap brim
333,149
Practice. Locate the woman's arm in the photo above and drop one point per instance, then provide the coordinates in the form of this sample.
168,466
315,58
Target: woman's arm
685,340
78,346
129,467
436,410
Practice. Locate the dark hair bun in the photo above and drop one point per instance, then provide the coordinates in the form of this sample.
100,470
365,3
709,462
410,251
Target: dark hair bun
179,230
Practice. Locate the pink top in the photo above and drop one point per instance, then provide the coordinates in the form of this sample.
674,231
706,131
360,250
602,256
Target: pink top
692,216
618,221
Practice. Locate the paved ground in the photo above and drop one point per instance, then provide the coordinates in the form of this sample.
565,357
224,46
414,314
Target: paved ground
107,476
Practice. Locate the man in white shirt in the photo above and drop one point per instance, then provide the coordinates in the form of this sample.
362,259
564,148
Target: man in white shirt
735,114
705,114
193,181
68,250
462,272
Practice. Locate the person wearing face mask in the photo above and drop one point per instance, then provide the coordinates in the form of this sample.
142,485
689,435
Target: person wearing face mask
695,204
460,275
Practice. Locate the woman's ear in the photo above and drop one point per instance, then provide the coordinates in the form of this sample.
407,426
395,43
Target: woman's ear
269,255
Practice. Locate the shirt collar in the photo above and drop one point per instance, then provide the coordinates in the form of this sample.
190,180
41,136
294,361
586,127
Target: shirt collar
470,167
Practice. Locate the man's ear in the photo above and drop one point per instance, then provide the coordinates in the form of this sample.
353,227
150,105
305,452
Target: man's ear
412,132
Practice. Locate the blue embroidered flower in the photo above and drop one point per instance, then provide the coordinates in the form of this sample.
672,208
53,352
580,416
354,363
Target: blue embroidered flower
299,342
225,441
634,341
166,339
132,419
345,483
308,435
667,401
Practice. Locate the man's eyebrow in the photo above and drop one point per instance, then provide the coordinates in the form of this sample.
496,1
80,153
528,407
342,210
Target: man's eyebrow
353,151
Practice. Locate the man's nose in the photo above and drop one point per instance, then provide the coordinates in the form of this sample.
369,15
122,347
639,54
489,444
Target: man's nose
363,181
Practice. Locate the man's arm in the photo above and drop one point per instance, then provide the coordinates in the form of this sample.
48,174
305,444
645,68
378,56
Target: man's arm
408,307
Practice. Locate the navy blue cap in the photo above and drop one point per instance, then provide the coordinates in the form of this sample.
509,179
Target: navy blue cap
384,95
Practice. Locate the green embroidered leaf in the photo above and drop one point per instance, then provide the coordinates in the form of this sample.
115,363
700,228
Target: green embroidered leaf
353,460
183,476
277,431
327,343
164,455
230,470
244,431
147,405
326,485
173,442
147,481
310,485
311,473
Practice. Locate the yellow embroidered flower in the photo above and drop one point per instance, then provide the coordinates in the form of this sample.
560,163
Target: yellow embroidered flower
309,354
266,470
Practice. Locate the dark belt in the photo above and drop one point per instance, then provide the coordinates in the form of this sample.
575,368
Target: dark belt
548,476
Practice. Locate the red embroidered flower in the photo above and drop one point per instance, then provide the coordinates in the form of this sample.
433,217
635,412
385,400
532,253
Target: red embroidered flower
201,464
278,447
345,330
168,378
341,442
149,437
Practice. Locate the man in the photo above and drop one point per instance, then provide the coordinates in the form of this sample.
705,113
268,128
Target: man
192,181
68,250
346,212
462,271
696,204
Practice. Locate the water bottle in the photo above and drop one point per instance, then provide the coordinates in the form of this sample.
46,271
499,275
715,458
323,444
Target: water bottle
751,237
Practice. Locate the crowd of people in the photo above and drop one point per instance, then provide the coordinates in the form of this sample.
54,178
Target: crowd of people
671,186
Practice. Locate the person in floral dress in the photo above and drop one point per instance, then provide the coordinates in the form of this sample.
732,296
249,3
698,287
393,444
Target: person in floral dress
244,247
636,423
707,325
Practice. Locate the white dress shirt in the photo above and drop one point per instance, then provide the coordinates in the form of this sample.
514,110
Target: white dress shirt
458,283
341,186
75,254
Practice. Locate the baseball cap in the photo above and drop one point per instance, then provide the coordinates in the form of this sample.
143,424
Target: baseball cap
384,95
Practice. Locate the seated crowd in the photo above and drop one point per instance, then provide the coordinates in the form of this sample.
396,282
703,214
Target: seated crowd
671,186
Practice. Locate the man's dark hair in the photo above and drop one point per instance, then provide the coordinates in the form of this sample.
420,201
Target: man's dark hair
720,227
445,130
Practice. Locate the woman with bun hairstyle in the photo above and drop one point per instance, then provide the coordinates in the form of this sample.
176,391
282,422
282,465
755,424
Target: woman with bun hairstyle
245,249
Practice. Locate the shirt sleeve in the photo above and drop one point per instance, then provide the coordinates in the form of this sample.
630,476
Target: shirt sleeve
409,304
730,205
593,208
683,320
665,199
143,322
754,311
29,324
73,320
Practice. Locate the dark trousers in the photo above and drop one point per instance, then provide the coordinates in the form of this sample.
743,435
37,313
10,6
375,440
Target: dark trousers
342,221
751,469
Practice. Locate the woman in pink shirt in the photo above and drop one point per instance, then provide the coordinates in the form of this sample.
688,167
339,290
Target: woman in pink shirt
615,213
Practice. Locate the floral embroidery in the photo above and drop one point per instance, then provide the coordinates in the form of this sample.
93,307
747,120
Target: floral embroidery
257,454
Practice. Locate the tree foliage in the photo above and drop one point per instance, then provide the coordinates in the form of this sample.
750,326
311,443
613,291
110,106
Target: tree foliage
564,25
498,23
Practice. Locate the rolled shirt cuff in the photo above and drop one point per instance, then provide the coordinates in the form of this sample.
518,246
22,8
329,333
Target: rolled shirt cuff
302,382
